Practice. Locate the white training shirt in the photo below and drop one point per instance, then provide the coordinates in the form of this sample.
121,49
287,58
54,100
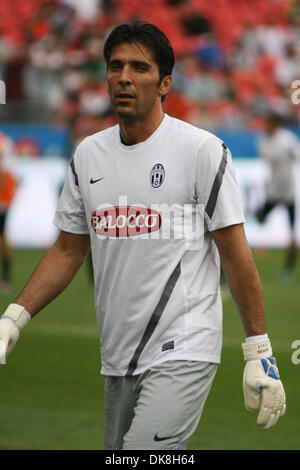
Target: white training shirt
149,209
280,151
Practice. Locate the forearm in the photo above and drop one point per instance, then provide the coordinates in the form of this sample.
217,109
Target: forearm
242,277
245,286
51,276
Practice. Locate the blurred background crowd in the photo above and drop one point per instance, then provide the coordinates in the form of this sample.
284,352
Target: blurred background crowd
235,60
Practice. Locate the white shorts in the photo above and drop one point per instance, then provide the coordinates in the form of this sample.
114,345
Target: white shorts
158,409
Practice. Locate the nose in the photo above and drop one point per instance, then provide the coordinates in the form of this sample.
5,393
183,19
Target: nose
124,78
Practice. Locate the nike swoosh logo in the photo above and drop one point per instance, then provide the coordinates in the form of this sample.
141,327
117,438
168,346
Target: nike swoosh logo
92,181
156,438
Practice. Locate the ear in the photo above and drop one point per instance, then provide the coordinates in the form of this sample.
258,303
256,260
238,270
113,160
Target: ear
165,85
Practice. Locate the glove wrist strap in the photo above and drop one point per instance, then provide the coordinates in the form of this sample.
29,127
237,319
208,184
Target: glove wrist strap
257,349
18,314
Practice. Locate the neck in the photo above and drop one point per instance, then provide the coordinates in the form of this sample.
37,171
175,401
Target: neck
134,132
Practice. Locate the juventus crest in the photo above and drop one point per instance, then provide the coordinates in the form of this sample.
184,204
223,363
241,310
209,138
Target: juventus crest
157,175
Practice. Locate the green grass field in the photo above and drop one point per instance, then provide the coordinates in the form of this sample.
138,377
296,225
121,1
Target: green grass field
51,391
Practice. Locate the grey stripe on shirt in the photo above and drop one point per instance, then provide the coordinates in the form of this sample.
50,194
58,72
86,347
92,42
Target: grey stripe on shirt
212,200
155,317
74,172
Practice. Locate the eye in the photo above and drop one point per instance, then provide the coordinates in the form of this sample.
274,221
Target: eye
140,67
114,67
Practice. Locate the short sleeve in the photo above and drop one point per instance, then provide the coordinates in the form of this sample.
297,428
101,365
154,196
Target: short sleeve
217,187
70,215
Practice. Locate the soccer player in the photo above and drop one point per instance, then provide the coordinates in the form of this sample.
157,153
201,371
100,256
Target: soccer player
135,192
280,148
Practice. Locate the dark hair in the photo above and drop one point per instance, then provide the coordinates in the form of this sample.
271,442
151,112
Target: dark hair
274,118
150,36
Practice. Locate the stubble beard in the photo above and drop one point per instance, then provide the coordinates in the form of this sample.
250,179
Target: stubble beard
127,115
135,113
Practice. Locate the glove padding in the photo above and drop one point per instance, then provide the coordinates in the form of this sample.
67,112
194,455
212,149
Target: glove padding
263,390
11,323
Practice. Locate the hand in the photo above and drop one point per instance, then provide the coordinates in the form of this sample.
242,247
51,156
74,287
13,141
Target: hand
262,387
11,323
263,391
9,335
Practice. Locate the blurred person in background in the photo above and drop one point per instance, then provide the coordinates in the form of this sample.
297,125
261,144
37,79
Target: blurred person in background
280,148
7,192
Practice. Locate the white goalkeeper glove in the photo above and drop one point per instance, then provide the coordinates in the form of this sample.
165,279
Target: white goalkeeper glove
12,322
263,389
